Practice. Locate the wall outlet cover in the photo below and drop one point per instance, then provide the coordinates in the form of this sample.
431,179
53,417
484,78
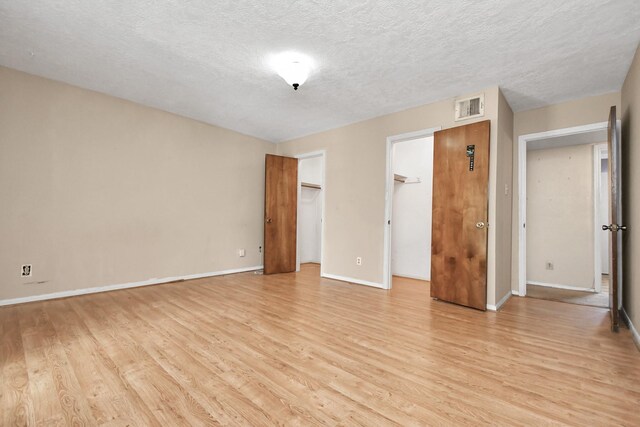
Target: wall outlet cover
241,252
358,260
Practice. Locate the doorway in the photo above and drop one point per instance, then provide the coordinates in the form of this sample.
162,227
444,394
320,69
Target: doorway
311,195
412,201
294,212
409,177
564,254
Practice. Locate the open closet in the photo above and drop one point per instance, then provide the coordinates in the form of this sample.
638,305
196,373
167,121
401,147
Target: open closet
412,200
310,210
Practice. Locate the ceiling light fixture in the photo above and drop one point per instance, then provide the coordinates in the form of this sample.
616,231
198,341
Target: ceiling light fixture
293,67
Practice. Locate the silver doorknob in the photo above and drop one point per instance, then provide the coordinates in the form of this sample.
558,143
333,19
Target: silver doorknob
480,224
268,220
614,227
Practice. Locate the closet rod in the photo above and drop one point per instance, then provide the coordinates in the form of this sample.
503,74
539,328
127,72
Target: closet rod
406,180
309,185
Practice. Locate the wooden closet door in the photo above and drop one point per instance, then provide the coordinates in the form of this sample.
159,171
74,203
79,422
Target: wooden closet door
280,214
615,216
460,215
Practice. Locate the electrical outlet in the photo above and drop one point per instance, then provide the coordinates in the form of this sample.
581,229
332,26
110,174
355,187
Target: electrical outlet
241,252
358,260
549,265
26,271
259,249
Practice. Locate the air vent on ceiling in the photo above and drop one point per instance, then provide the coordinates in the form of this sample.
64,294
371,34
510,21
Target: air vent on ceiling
469,108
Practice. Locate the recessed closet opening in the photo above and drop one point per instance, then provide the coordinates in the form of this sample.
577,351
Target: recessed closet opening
409,199
310,211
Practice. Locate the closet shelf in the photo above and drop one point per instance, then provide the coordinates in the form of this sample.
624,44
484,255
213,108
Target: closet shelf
405,179
309,185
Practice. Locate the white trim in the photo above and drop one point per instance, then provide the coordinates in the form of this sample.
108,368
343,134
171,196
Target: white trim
632,328
522,216
388,197
323,154
597,263
514,292
559,286
409,136
500,303
107,288
522,189
575,130
352,280
600,151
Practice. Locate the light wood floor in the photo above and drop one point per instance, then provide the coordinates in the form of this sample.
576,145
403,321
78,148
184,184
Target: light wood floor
294,349
600,299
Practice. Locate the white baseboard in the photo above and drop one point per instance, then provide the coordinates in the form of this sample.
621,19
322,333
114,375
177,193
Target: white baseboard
514,292
155,281
500,303
553,285
352,280
632,328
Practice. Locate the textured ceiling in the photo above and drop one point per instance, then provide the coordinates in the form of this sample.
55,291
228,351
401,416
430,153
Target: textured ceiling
208,60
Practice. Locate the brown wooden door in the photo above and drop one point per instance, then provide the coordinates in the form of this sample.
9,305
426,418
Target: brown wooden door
280,214
615,216
460,214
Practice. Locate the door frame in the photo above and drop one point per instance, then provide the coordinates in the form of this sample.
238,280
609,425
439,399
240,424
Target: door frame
522,194
600,152
310,155
388,196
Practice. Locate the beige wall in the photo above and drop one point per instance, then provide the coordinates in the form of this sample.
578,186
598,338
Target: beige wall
95,189
504,196
579,112
560,216
631,190
99,191
355,185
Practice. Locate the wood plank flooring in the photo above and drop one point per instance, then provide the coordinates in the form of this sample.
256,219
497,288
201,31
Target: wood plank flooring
600,299
293,349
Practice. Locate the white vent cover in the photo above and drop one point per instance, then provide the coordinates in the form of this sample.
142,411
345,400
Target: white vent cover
469,108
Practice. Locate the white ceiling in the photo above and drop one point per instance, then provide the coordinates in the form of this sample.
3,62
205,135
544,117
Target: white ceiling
208,60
